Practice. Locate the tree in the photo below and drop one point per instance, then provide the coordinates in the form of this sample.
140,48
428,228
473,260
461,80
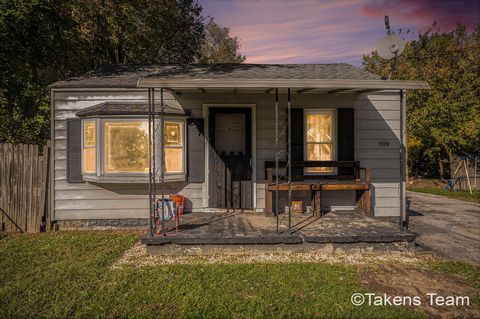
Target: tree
444,121
43,41
219,47
141,31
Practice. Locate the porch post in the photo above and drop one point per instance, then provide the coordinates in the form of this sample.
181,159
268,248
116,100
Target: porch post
150,162
403,163
276,155
162,162
154,158
289,109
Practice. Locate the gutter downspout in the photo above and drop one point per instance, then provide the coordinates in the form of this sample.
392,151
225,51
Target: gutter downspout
51,207
289,112
276,159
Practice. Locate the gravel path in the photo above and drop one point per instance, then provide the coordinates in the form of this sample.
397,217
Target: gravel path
448,226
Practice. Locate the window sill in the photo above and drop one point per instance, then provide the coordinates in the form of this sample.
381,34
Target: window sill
131,178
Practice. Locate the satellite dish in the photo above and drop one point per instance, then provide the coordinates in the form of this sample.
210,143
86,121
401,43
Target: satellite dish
390,46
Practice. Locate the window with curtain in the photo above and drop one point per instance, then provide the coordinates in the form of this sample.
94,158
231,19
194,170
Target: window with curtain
89,147
125,146
174,147
319,139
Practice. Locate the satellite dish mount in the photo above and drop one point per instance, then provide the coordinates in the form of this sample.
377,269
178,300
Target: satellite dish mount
390,48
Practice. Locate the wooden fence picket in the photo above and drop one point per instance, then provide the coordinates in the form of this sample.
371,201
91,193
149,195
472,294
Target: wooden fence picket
24,187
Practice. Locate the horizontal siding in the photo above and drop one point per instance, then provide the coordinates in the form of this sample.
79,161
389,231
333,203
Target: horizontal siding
127,203
386,198
387,201
376,134
61,214
376,153
127,193
376,119
377,114
110,200
387,211
387,190
384,163
373,125
383,173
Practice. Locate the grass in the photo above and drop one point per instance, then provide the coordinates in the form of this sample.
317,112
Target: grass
470,272
465,196
67,274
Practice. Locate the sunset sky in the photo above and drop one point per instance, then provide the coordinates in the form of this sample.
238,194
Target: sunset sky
321,31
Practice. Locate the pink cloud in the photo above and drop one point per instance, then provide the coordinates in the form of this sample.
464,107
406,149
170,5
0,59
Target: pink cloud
314,31
422,13
273,31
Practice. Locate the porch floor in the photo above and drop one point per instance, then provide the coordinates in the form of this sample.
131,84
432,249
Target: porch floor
248,228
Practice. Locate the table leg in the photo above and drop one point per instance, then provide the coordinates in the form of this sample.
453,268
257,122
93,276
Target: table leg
316,203
268,201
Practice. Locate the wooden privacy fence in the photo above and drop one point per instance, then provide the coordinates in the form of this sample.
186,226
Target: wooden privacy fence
24,187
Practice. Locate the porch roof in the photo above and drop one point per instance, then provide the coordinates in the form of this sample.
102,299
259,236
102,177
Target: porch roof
131,108
301,78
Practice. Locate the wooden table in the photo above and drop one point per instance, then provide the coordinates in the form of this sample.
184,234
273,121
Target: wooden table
323,183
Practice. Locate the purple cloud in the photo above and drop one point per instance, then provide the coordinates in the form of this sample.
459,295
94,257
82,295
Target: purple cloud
421,13
310,31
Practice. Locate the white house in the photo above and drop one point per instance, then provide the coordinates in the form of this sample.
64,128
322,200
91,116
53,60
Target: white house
338,114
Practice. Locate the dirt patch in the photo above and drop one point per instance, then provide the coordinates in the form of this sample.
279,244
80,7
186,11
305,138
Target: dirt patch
427,183
404,280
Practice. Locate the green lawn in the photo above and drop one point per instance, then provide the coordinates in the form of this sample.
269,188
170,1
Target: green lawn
466,196
468,271
67,274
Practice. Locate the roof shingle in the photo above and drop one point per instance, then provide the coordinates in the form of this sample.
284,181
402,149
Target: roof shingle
115,108
127,76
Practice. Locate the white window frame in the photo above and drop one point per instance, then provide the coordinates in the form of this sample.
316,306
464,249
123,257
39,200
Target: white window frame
333,112
100,149
184,146
82,142
102,156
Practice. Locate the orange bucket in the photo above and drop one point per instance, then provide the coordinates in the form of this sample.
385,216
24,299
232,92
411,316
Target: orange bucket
179,200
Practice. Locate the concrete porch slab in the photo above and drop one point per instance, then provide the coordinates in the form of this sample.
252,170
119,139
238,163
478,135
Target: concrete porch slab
250,229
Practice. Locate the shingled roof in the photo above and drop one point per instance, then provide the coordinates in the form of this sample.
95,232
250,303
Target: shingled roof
127,76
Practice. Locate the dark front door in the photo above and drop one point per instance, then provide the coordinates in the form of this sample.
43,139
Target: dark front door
230,172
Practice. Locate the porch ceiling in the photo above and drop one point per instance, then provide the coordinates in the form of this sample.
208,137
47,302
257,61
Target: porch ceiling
299,86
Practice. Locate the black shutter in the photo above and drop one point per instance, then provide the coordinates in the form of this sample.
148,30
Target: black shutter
297,138
196,151
346,138
74,151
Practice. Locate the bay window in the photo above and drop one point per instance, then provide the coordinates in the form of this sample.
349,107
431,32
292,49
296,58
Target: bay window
319,138
119,147
125,146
